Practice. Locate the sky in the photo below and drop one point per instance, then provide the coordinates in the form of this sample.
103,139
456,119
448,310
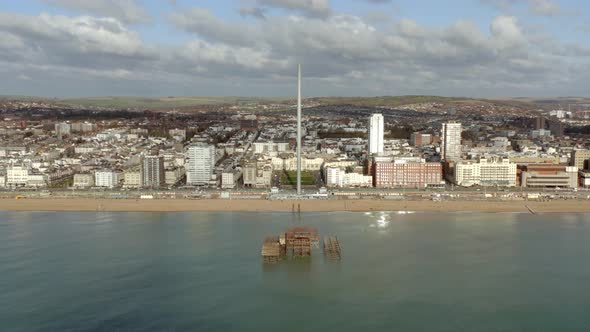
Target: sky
469,48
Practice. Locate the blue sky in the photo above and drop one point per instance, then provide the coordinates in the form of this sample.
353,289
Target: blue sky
483,48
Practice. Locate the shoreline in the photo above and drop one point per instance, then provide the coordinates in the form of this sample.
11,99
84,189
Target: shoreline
217,205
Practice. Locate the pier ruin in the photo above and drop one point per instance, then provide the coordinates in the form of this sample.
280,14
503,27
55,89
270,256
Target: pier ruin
298,242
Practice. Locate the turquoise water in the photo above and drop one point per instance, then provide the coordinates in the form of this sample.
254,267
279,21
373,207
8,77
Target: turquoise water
203,272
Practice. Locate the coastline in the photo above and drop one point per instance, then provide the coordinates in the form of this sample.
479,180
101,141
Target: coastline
217,205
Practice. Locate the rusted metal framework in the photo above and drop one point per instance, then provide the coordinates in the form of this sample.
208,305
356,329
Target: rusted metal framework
271,250
332,248
301,240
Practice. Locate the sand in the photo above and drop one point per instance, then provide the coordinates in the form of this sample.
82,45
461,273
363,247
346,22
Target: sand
179,205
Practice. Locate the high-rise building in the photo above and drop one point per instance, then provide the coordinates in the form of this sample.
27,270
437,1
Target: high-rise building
152,172
451,141
539,122
201,164
579,158
376,130
556,127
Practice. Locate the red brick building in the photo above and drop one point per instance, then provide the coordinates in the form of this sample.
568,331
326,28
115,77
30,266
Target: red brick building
406,174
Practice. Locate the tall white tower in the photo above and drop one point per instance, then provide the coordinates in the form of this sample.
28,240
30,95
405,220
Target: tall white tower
450,149
299,129
376,125
201,163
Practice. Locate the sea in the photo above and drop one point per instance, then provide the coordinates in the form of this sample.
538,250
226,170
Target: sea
400,271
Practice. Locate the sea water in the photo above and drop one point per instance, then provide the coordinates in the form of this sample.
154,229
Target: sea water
203,272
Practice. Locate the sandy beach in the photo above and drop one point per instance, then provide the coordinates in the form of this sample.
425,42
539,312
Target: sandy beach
179,205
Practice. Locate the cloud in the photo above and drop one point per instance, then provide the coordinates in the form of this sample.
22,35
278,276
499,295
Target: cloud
203,23
535,7
341,54
128,11
256,12
544,8
319,8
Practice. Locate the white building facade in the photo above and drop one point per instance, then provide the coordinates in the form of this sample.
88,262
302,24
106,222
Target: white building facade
201,164
17,176
486,172
376,133
106,179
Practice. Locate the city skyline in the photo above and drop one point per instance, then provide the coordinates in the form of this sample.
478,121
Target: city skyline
490,48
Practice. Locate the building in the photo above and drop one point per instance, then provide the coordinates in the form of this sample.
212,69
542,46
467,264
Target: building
177,134
106,179
62,129
486,172
357,180
174,176
579,159
556,127
451,149
249,124
540,122
153,172
334,176
540,133
269,147
37,180
83,180
132,179
549,176
249,170
17,176
200,165
229,179
420,139
376,132
83,127
406,174
584,179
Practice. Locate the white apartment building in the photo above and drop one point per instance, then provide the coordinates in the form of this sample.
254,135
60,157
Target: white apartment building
334,176
37,180
486,172
337,177
201,164
106,178
2,181
450,148
268,147
17,176
229,179
83,180
376,132
357,180
62,129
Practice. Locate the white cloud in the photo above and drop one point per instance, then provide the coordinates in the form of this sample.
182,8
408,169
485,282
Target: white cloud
128,11
535,7
310,7
342,55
